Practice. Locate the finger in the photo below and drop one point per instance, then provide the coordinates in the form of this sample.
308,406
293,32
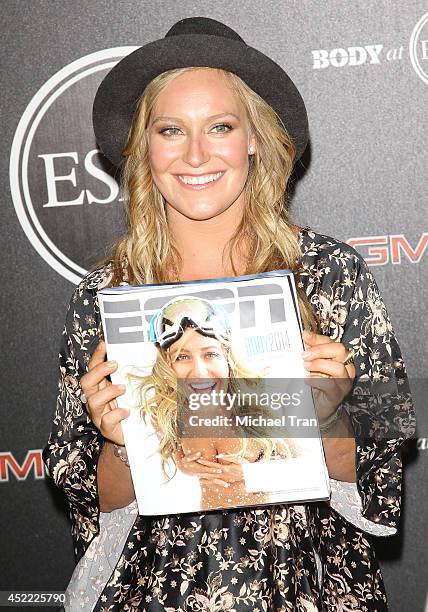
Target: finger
110,423
213,464
106,395
312,339
103,384
96,376
196,470
232,474
330,350
350,368
230,477
328,367
232,459
193,463
217,481
99,355
98,402
191,458
208,472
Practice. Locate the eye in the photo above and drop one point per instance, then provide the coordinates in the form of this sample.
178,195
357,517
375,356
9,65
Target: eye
212,354
181,357
169,131
225,127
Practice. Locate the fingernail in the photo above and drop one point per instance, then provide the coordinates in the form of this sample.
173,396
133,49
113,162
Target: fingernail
111,365
307,354
121,387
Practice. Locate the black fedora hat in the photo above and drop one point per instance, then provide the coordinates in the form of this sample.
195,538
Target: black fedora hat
195,41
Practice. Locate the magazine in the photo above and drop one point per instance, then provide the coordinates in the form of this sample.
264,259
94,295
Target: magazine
220,414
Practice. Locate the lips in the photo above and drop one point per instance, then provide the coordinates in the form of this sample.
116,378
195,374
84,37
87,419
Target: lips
201,181
204,387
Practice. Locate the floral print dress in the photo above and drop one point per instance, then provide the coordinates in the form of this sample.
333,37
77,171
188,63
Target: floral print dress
303,558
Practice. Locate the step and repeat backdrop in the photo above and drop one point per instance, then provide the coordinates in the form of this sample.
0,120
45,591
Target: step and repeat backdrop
362,68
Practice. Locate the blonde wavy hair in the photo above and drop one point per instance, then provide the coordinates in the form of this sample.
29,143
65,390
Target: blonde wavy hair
160,397
146,252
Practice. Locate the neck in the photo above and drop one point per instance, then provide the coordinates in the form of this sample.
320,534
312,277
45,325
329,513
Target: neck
201,244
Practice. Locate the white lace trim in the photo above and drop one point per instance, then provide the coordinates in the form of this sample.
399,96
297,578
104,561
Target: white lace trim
346,500
94,569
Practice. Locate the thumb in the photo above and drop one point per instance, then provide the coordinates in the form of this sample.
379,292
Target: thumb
110,424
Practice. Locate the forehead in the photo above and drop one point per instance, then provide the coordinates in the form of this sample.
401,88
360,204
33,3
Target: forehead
203,91
192,340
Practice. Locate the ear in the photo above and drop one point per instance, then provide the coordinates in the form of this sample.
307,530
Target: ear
252,145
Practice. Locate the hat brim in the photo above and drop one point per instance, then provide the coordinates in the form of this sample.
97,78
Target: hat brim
117,96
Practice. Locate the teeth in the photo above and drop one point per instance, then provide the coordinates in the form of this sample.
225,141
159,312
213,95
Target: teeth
202,385
200,180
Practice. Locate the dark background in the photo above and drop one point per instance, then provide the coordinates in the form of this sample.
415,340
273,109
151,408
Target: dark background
364,175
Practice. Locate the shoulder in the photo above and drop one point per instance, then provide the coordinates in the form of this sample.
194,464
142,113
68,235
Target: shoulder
83,329
326,260
336,280
96,279
83,304
93,281
315,247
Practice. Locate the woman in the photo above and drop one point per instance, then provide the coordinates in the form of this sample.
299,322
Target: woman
205,168
195,347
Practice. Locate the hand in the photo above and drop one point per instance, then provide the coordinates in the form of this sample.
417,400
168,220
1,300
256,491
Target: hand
209,471
189,464
233,472
101,396
329,377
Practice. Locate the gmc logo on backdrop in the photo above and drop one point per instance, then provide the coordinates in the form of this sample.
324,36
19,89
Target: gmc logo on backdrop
381,250
32,465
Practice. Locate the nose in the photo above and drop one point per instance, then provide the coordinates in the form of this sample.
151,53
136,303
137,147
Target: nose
199,368
196,152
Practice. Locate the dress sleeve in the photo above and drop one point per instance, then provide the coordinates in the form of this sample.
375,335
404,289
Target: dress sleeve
380,404
348,305
74,445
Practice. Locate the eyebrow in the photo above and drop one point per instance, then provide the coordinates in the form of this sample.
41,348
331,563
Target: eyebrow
202,348
212,118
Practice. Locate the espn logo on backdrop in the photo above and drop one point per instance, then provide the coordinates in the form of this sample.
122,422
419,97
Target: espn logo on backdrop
12,469
394,249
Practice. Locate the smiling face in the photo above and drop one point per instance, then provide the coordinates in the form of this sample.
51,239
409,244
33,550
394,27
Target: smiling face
196,357
199,143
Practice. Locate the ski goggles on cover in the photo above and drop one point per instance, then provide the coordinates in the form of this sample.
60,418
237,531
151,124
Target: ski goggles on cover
169,324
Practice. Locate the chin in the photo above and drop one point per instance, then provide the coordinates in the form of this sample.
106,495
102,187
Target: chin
202,213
